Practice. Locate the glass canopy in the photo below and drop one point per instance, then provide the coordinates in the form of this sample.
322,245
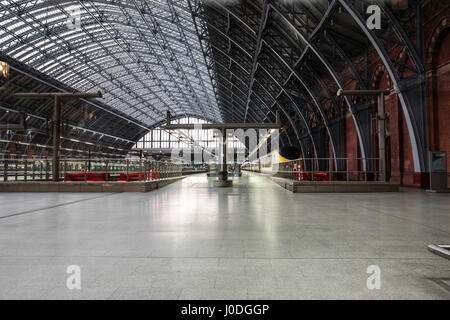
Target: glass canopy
144,55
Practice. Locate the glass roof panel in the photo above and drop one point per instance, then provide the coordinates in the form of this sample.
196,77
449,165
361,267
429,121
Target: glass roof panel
145,56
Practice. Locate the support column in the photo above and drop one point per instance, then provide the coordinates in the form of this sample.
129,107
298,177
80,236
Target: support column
382,136
223,175
380,94
89,157
56,138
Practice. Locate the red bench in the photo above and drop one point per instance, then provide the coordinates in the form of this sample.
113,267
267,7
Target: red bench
317,176
132,176
90,176
75,177
97,176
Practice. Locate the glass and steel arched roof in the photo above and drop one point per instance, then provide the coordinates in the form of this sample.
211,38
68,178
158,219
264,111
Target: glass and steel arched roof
144,55
226,60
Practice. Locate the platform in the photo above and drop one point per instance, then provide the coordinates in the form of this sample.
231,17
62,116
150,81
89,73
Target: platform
335,186
112,186
190,240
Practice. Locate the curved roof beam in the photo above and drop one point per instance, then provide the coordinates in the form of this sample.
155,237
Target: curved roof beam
416,137
334,75
262,67
332,72
244,84
273,99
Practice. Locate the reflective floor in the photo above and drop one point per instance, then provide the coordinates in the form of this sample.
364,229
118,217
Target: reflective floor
253,241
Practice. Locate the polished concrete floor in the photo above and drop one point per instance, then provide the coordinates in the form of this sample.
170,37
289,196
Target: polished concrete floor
253,241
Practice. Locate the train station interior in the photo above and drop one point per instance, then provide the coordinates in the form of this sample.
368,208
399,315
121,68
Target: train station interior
224,149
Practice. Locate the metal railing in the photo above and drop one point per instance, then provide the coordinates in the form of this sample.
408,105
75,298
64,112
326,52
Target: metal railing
321,169
88,170
193,168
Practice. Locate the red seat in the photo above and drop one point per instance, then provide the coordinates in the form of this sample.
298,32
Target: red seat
97,176
75,176
90,176
321,176
317,176
132,176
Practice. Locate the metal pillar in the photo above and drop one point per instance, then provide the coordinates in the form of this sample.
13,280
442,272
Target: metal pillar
89,157
223,175
5,169
56,138
381,122
381,119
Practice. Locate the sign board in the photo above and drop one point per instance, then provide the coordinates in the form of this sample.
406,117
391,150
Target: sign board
438,161
438,171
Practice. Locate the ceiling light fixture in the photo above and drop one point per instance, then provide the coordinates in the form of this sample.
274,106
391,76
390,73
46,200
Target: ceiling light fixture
4,69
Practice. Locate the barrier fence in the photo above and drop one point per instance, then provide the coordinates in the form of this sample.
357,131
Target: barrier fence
88,170
320,169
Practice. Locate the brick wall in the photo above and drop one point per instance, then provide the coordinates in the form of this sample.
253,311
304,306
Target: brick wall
437,27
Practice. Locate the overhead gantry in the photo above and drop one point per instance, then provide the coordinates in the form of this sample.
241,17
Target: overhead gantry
58,97
223,174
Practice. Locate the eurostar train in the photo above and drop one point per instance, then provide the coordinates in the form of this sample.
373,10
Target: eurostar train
288,164
265,164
